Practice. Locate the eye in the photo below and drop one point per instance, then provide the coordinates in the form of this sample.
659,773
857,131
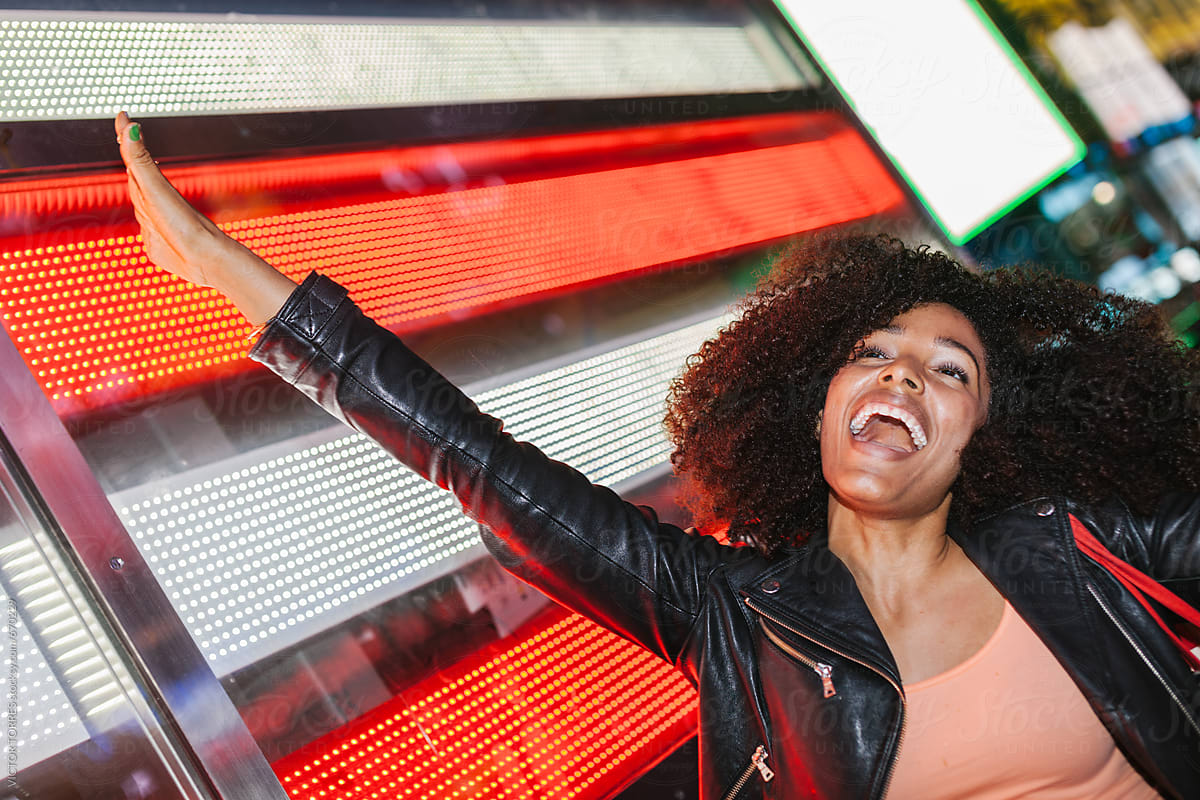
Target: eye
868,351
954,371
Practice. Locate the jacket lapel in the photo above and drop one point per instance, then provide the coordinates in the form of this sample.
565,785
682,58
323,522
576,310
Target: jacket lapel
813,592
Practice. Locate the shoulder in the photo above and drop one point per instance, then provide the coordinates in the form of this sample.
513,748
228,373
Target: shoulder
1164,542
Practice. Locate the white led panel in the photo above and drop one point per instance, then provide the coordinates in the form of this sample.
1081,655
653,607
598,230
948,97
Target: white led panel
88,65
46,721
263,550
54,669
947,98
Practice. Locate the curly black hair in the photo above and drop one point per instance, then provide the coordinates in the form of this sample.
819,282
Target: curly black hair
1092,394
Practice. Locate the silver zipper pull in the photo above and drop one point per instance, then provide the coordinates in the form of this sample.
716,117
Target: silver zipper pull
759,759
826,673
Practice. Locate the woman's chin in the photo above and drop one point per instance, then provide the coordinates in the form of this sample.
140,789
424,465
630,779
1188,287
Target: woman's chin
879,500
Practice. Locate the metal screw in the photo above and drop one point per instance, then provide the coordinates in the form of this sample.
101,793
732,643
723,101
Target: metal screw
116,562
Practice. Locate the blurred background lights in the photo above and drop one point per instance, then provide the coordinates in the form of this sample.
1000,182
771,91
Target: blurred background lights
67,690
1186,263
1104,193
1165,282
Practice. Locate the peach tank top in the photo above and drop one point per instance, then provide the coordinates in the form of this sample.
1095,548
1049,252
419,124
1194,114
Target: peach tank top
1008,722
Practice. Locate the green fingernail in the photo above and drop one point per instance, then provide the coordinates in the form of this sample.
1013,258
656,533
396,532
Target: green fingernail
135,132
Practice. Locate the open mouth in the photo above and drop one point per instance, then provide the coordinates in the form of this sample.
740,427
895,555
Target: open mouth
889,426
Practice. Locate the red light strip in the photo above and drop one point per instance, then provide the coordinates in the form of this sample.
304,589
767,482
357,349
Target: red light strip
571,710
97,324
229,180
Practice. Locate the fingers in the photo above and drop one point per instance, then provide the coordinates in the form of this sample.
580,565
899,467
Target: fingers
176,237
144,172
135,195
137,158
133,149
158,199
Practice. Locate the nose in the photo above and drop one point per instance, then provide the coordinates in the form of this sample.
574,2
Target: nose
900,372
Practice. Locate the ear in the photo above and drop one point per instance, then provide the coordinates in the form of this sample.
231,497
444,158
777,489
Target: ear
820,416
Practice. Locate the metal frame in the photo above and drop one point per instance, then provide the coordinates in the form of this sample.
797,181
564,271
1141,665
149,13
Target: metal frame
30,522
161,652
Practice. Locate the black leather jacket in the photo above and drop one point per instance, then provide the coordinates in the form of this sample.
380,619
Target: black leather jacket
784,653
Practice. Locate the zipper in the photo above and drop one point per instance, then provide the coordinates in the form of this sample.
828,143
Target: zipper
887,780
1187,714
757,761
824,671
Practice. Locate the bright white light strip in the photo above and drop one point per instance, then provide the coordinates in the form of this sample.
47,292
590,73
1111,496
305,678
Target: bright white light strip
263,550
47,721
66,65
943,98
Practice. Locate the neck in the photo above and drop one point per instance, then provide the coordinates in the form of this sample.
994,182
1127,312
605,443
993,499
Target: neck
891,558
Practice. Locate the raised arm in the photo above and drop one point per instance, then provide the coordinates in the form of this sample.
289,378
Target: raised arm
578,542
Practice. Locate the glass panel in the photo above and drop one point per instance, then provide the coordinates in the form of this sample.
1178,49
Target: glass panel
77,725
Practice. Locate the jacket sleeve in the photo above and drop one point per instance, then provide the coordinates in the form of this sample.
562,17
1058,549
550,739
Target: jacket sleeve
577,542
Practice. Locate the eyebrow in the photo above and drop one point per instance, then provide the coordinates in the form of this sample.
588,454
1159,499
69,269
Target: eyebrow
945,341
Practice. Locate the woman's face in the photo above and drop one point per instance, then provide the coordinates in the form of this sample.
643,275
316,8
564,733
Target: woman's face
899,414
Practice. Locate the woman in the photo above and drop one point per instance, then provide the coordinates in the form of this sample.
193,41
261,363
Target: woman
925,579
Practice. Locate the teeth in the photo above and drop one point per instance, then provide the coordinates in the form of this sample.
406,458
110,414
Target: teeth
882,409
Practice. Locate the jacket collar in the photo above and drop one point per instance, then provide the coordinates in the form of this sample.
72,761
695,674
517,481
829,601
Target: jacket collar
812,592
1026,551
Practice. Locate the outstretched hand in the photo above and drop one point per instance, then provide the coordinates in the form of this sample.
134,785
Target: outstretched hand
184,242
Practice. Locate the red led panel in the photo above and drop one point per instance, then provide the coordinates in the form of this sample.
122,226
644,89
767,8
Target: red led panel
97,324
227,182
570,710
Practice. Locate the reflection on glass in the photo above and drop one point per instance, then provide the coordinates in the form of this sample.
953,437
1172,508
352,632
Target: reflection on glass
75,724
